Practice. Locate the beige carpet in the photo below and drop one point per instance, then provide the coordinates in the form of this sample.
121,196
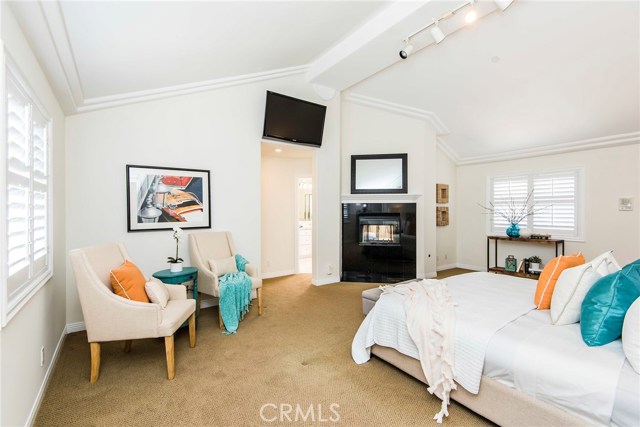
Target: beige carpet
298,353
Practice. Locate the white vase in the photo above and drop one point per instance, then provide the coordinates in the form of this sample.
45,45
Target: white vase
175,267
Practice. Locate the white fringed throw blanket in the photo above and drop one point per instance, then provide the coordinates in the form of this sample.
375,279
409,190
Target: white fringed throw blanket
430,320
484,303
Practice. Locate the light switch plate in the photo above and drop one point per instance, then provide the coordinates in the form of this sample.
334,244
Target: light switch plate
625,204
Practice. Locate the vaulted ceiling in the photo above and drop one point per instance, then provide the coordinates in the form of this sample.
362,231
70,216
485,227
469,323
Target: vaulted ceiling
538,77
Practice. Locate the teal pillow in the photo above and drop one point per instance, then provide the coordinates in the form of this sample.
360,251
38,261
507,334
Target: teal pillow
636,262
606,303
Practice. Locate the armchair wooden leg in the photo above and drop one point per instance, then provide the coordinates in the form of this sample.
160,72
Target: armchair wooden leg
220,322
192,330
95,361
171,362
127,346
259,301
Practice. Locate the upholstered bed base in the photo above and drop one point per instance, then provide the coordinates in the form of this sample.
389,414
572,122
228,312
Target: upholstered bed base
497,402
503,405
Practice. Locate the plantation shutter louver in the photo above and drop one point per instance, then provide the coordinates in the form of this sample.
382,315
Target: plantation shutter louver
27,210
553,194
558,191
507,191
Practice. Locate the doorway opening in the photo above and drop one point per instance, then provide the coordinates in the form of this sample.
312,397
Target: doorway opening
304,206
286,209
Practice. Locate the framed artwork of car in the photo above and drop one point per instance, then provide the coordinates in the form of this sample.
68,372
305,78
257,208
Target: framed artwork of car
160,198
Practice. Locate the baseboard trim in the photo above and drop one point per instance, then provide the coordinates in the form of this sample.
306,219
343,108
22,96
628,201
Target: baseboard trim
446,267
75,327
281,273
47,377
470,267
326,281
206,303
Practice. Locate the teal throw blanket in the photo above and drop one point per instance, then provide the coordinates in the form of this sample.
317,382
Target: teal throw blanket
235,296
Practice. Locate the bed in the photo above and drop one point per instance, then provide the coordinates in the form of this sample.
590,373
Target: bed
533,372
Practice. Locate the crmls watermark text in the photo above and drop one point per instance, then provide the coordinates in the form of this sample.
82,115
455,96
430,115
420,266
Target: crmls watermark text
272,412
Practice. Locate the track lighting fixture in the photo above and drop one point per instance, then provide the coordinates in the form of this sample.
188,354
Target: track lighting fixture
438,35
471,14
408,48
503,4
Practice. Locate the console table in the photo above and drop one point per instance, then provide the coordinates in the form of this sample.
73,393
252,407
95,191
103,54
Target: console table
501,270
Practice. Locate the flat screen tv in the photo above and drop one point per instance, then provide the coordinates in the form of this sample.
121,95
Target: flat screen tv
293,120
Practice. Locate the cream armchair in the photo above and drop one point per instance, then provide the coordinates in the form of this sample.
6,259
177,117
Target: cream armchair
109,317
215,245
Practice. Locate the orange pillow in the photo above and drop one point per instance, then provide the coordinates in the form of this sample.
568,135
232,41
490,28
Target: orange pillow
549,277
128,282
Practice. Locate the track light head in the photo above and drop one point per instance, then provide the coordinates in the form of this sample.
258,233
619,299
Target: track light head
503,4
408,48
471,15
437,33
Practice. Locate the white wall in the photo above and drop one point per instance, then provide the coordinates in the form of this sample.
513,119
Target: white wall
217,130
446,236
371,130
609,173
279,213
41,321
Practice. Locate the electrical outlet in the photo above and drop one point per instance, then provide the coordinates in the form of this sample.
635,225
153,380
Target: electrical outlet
329,270
42,356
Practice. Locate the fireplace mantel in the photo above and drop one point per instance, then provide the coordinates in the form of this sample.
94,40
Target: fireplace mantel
380,198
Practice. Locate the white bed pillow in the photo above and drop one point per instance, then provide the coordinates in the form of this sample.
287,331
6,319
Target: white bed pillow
605,264
631,335
571,288
157,292
224,265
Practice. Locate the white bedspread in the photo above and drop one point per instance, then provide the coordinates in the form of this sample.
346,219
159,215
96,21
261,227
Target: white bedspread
485,303
553,364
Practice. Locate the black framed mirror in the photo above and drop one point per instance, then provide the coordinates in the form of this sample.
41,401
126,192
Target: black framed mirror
379,173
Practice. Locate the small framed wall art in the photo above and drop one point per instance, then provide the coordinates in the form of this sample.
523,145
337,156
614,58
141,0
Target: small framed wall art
160,198
442,193
442,216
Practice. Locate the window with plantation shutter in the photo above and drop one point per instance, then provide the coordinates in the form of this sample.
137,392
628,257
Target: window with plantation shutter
27,263
555,195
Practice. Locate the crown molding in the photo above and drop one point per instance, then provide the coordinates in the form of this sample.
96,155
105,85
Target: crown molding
58,33
568,147
72,84
428,116
447,150
441,129
97,103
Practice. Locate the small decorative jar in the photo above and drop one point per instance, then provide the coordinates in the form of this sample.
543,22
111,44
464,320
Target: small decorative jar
510,263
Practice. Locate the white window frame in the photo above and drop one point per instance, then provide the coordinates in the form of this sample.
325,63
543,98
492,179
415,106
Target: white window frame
578,235
10,305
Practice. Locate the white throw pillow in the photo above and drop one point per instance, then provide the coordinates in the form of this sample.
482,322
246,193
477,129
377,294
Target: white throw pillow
157,292
224,265
605,264
631,335
571,288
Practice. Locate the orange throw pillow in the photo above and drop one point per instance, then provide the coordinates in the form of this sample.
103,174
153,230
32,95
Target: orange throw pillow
549,277
128,282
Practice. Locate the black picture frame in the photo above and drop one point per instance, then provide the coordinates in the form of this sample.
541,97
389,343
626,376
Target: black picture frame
357,187
160,198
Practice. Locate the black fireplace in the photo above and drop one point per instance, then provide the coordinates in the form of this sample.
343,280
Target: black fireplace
378,242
